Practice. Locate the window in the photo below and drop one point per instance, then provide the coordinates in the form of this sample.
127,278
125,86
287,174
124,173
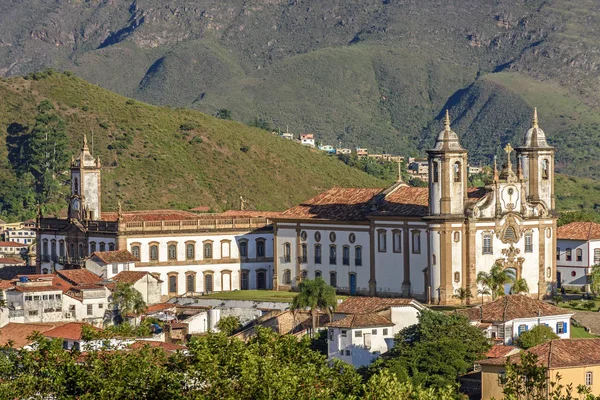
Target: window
457,277
115,268
589,378
487,243
330,335
436,171
332,254
57,297
243,245
457,172
173,284
433,259
457,237
28,298
333,279
304,274
317,236
569,257
596,256
501,378
287,277
260,247
33,313
545,172
558,254
579,254
332,237
381,241
358,256
287,252
352,238
385,331
208,283
522,328
348,353
303,236
561,327
154,252
190,251
318,274
90,309
208,253
373,332
111,247
528,242
100,306
344,333
245,281
72,250
357,333
317,254
92,247
172,252
45,247
53,248
135,250
416,242
190,283
61,248
346,255
80,250
304,251
102,246
397,241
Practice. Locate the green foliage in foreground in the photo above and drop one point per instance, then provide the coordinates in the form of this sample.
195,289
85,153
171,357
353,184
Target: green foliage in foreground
229,324
538,335
268,366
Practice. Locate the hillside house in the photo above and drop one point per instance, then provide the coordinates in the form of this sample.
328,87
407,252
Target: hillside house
577,251
107,264
12,248
327,148
23,236
343,151
361,152
307,139
144,282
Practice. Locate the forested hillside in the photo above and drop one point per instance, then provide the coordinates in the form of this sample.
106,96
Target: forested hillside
373,73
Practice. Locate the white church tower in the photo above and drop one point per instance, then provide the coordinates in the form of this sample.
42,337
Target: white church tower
85,202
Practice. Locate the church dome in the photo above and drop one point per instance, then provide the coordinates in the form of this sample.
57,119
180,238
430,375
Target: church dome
535,136
447,139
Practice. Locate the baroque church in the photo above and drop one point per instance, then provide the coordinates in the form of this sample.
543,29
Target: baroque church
429,242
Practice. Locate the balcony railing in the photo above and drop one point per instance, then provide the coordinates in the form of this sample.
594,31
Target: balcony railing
286,259
199,224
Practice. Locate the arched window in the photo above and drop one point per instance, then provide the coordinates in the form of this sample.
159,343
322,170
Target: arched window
190,251
304,274
72,253
92,247
569,254
548,272
487,244
53,249
333,279
287,277
135,251
579,254
597,256
208,253
528,242
243,246
245,281
80,253
76,186
318,274
381,240
111,247
346,255
457,277
545,169
208,283
190,283
433,259
304,250
358,256
102,246
436,171
260,248
416,242
61,248
154,252
457,172
172,284
172,252
317,254
287,252
332,254
45,247
397,241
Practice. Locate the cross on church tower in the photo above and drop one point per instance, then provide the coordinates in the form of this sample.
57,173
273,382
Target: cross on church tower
508,149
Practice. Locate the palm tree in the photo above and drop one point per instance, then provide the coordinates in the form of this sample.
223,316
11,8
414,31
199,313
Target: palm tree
484,291
315,295
495,280
462,294
127,300
519,286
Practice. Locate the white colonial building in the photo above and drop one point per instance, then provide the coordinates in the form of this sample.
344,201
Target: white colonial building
428,242
577,251
191,253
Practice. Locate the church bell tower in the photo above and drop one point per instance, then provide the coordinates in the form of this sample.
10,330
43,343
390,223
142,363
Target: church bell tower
85,197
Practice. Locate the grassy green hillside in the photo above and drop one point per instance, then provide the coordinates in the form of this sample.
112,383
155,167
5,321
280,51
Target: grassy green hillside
163,157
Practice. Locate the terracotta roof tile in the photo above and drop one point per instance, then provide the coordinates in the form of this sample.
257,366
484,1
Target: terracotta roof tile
115,256
12,261
251,214
579,231
501,351
159,307
511,307
368,305
11,272
150,215
12,244
69,331
18,332
560,353
405,201
130,276
79,276
361,321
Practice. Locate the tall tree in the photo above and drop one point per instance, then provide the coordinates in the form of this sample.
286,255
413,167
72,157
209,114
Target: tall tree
127,300
495,280
315,295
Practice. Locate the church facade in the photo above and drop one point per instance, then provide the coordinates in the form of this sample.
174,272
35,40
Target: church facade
190,253
428,242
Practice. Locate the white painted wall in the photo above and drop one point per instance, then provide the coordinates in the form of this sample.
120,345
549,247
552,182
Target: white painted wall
573,273
344,344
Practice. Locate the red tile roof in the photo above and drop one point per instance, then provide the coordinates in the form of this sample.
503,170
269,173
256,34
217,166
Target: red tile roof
130,276
115,256
579,231
251,214
12,244
79,276
560,353
511,307
153,343
361,321
12,261
150,215
159,307
500,351
69,331
368,305
18,333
